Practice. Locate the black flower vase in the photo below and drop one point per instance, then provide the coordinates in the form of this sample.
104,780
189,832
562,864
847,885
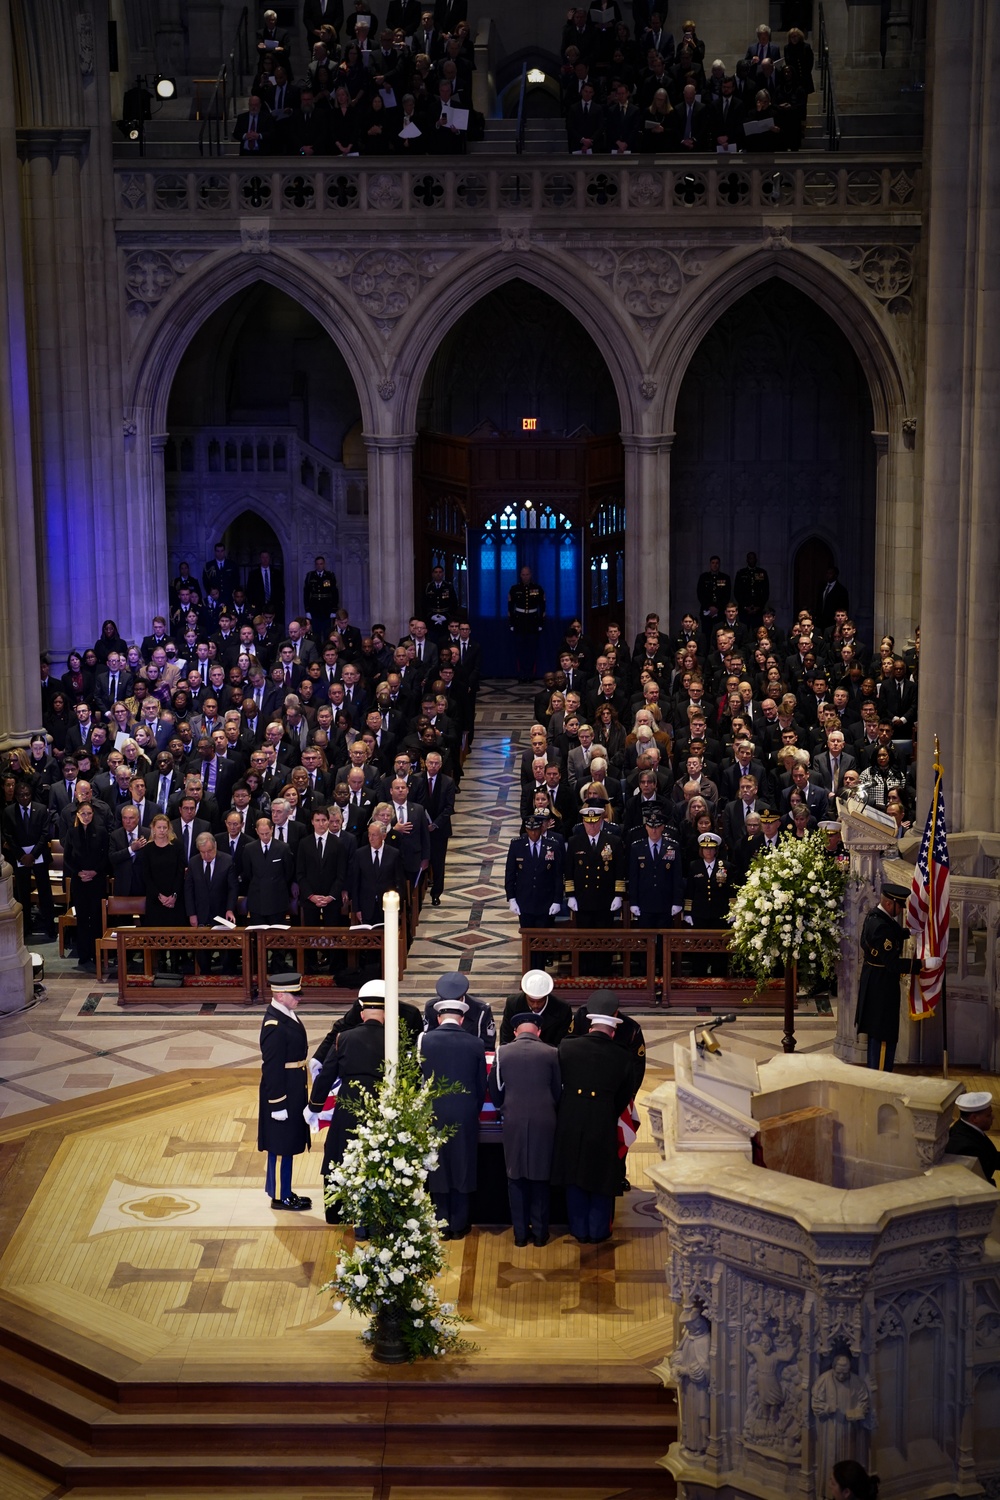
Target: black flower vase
388,1347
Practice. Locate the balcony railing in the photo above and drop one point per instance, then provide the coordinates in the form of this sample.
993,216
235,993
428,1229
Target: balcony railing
637,189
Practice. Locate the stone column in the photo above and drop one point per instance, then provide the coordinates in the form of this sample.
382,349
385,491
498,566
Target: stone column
961,435
896,535
20,698
390,529
647,532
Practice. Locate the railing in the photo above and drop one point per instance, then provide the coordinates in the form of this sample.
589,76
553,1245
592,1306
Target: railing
826,82
233,72
650,969
521,117
643,188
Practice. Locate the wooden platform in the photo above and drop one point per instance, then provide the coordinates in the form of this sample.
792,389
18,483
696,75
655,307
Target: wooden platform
163,1330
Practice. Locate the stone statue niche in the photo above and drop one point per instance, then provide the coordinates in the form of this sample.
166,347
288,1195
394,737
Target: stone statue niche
838,1279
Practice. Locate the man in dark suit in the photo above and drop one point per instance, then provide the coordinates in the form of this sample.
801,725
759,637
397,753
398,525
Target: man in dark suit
436,794
453,1056
210,891
163,784
833,597
218,775
357,806
738,811
113,685
694,121
25,837
815,797
585,124
319,13
123,847
265,587
622,124
968,1136
762,48
188,826
253,127
268,873
897,700
448,13
377,868
726,117
320,871
78,736
829,766
410,833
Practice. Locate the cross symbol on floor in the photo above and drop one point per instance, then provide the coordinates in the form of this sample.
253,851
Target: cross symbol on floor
247,1162
597,1278
209,1278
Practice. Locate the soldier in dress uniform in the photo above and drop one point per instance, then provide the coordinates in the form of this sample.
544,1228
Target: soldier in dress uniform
597,1085
714,590
440,604
355,1059
655,885
968,1136
281,1127
628,1035
526,612
525,1085
708,895
478,1018
882,939
321,597
452,1055
595,881
533,879
751,588
554,1016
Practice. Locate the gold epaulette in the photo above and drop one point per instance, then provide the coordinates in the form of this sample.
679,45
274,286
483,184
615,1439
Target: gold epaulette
271,1023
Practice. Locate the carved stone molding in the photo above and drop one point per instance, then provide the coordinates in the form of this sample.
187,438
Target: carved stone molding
149,276
886,270
385,282
387,388
515,237
85,42
255,238
647,279
647,388
51,144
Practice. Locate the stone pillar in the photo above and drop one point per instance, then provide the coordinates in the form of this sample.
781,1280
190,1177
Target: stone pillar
20,697
960,552
647,532
896,535
390,529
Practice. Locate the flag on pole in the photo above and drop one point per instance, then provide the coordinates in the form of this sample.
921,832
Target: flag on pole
928,910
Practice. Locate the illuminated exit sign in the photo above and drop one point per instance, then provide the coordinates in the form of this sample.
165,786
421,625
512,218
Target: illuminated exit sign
529,424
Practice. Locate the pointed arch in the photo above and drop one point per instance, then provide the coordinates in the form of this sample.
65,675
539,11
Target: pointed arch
154,364
472,277
813,272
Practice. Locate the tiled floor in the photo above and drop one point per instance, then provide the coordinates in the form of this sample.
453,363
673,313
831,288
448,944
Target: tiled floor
76,1041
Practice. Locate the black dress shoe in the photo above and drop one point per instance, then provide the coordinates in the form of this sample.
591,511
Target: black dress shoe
540,1240
458,1234
446,1234
520,1241
292,1204
435,900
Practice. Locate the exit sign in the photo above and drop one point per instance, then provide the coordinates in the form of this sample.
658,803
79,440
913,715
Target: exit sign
529,424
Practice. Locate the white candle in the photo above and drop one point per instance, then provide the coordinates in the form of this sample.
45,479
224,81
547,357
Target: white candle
390,938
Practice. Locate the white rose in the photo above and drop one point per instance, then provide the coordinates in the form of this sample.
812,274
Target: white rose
397,1276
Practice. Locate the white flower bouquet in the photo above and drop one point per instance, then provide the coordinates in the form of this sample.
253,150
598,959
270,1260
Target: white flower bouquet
790,910
382,1183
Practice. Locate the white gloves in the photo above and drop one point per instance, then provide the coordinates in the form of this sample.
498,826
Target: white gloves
616,904
572,903
315,1069
634,910
675,909
689,921
311,1118
514,907
279,1114
555,908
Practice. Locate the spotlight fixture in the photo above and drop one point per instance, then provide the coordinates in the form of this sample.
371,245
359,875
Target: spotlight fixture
165,87
536,75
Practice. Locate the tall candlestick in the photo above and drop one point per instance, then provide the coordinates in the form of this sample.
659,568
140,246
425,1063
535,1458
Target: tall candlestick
390,939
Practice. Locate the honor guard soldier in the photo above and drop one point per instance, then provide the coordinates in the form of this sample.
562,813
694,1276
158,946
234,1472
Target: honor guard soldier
554,1016
628,1035
525,1085
526,612
708,895
281,1127
453,1056
533,879
751,588
321,597
597,1085
355,1060
714,591
882,964
595,880
968,1136
440,604
478,1018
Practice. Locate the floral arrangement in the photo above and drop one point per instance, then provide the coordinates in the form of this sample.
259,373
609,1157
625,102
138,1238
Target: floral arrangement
382,1184
790,910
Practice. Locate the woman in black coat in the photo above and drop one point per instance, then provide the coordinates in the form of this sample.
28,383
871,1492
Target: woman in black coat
161,870
109,640
78,682
85,860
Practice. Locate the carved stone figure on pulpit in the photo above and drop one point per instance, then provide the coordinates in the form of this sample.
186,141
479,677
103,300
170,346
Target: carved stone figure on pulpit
690,1367
841,1405
766,1395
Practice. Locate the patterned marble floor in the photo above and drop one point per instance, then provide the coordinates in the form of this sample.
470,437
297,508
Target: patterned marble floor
76,1041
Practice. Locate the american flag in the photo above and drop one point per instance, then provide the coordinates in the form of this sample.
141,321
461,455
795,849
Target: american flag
928,910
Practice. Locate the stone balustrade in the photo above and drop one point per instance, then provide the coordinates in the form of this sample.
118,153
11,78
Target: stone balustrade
635,190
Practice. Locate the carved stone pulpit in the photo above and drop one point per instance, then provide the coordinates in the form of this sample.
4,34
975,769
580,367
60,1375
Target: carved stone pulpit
867,835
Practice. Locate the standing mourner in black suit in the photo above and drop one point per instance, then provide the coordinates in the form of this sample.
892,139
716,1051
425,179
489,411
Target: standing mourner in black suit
526,1085
85,860
883,964
26,845
377,869
268,872
597,1085
452,1055
210,891
436,793
284,1072
968,1137
124,848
